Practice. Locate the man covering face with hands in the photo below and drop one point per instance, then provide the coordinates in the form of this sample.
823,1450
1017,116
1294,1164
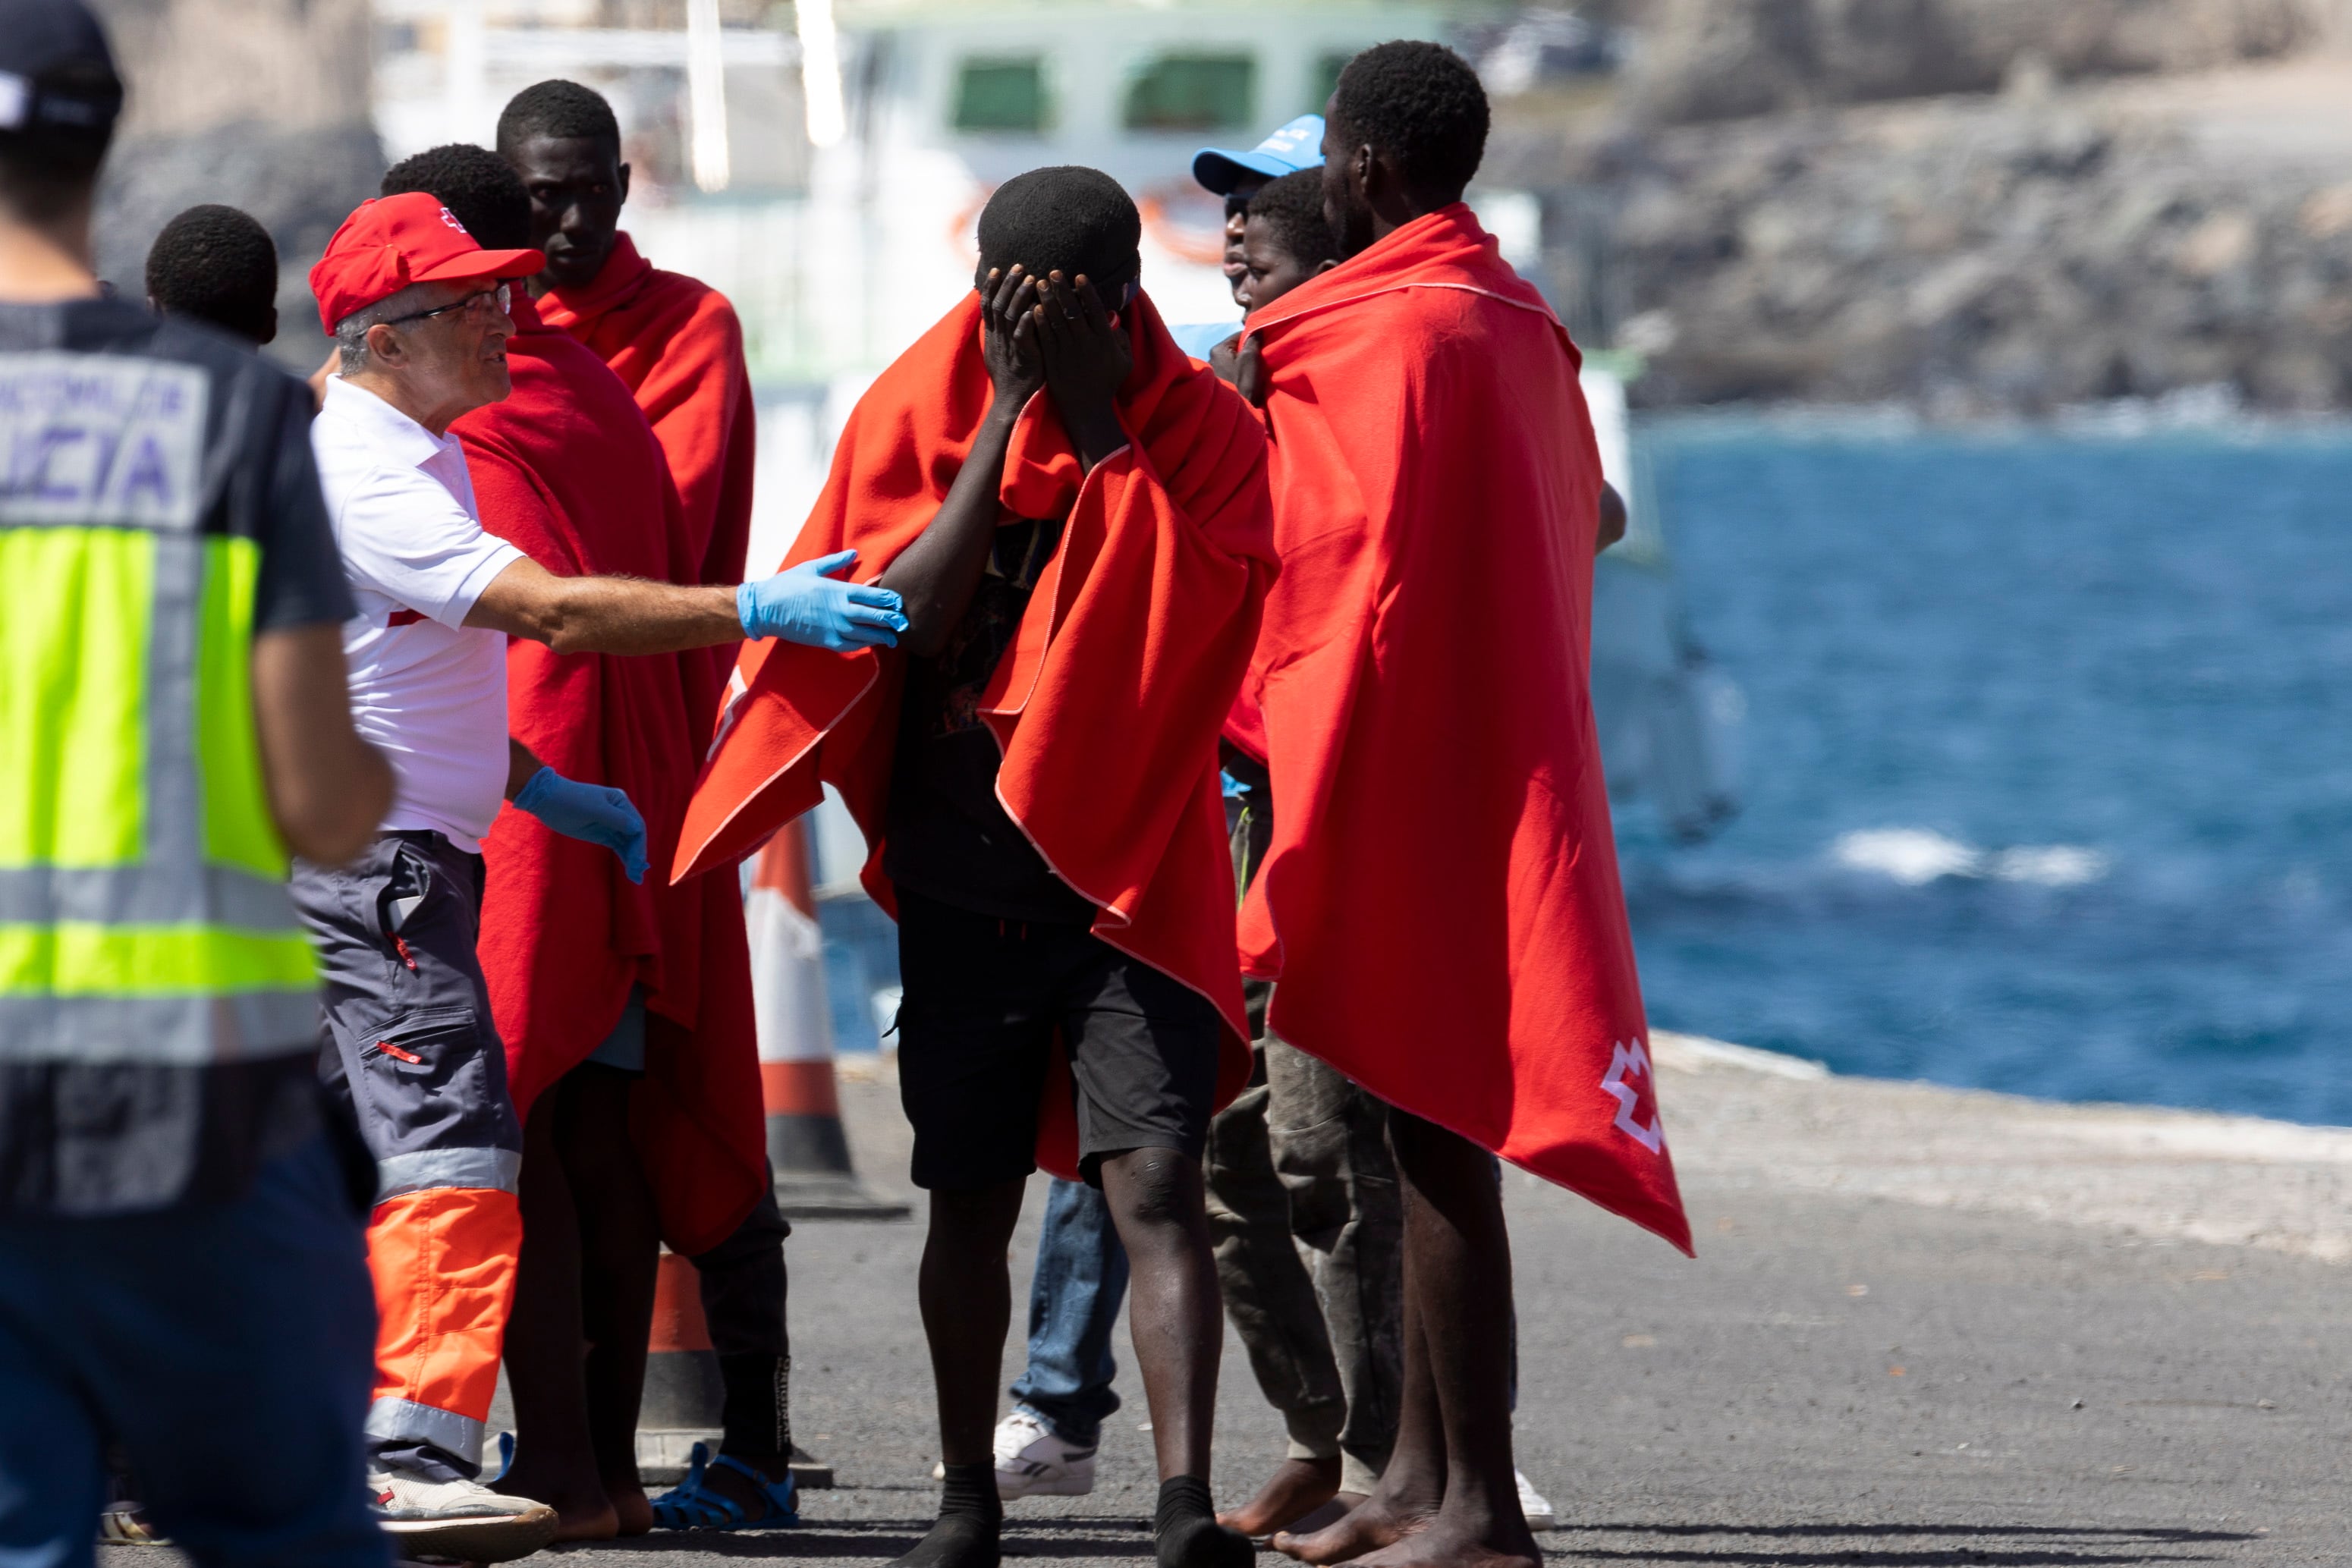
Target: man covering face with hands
1075,515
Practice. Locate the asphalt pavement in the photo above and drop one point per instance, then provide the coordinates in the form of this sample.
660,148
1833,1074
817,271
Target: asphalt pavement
1841,1376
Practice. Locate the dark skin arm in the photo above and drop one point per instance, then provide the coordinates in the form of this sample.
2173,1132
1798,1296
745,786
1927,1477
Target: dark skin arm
1226,359
520,766
1087,361
1055,335
936,575
1250,378
1613,517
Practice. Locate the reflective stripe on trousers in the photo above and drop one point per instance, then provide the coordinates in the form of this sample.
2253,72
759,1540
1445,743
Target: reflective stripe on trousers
496,1169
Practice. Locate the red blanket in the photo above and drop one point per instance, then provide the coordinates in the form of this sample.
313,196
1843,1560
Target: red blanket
568,470
677,343
1440,901
1108,703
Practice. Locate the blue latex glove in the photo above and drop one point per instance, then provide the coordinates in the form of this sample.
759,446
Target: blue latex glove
597,813
809,604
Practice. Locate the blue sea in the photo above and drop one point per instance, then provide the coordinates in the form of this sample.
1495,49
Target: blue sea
2047,778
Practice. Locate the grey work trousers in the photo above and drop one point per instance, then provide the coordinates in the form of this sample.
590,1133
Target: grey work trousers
1308,1226
411,1054
1307,1223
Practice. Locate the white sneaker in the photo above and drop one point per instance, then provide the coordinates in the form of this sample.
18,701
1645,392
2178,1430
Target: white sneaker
1534,1505
125,1524
1030,1461
458,1518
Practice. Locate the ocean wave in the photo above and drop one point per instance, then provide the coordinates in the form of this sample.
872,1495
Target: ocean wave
1917,856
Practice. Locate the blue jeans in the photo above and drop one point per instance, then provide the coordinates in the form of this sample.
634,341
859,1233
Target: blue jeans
229,1348
1073,1305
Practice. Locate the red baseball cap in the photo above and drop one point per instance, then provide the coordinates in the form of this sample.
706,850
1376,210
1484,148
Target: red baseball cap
391,242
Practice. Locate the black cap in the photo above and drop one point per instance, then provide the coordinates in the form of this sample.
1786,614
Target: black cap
57,74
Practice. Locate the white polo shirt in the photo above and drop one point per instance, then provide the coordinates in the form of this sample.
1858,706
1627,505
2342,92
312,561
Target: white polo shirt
427,688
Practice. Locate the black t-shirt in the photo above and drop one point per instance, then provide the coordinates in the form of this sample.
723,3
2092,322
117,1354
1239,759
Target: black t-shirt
84,1138
947,837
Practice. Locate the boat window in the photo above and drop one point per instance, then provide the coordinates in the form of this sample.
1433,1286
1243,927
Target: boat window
1193,92
1000,94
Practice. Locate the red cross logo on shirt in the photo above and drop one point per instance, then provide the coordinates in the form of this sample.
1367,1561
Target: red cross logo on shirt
1632,1060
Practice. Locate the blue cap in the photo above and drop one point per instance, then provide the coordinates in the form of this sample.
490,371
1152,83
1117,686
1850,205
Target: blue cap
1298,145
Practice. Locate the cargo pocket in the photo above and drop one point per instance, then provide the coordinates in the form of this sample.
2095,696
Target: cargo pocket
402,892
1307,1133
424,1084
425,1048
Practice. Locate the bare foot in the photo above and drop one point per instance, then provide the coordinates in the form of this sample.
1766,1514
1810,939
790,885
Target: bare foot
1330,1513
1457,1538
1297,1488
582,1513
1377,1521
634,1512
598,1524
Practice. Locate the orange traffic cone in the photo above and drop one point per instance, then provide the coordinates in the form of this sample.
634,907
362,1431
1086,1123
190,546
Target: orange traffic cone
684,1395
806,1146
685,1398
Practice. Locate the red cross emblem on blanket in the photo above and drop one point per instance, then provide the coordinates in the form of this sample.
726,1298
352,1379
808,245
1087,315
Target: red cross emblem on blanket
1629,1082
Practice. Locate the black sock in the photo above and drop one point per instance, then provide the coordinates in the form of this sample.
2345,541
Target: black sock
758,1412
971,1513
970,1491
1187,1530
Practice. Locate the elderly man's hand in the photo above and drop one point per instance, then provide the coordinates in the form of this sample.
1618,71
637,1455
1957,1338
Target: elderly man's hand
810,604
595,813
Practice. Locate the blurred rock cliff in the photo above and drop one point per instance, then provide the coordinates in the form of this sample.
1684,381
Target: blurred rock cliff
1975,206
262,104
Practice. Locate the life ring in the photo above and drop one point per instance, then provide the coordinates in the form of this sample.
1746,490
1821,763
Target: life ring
963,229
1179,240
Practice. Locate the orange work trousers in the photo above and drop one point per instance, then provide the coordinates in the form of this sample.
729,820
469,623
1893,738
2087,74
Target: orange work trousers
412,1051
444,1263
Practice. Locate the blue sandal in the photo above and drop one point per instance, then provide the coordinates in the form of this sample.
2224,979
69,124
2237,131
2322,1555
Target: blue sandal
690,1505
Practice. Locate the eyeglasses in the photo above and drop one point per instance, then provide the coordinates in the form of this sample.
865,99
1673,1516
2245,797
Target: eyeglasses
503,295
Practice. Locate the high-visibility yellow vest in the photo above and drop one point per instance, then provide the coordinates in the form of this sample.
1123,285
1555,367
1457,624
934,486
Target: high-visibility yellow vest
144,916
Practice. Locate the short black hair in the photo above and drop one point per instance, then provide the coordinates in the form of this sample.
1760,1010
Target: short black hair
1292,210
557,110
217,265
1421,104
1066,218
49,167
477,186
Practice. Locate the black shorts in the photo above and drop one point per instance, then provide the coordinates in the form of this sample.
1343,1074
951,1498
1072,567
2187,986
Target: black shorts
984,1000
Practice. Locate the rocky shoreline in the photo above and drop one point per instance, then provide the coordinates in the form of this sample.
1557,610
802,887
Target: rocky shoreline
2010,254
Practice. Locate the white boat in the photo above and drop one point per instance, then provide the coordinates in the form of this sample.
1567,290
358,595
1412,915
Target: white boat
1669,720
828,181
